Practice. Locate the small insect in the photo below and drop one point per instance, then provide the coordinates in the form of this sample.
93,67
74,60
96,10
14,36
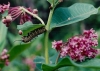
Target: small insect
32,34
69,18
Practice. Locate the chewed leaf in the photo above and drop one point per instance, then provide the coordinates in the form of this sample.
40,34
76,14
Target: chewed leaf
93,63
68,15
28,26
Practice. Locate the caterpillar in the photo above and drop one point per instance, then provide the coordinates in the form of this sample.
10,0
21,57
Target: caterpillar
33,34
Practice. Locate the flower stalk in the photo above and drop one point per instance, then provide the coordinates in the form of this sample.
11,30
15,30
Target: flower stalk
46,36
34,15
57,58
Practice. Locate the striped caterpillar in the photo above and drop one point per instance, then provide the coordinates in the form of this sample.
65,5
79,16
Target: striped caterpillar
33,34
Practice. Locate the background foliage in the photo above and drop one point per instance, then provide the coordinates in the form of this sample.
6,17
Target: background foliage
20,63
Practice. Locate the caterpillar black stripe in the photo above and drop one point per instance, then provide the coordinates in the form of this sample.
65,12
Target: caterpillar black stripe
33,34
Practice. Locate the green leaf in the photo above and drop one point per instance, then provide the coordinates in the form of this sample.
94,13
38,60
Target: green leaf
3,33
5,13
54,57
16,50
93,63
27,27
79,11
39,61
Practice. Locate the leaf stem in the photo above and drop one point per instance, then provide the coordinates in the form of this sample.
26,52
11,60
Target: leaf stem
34,15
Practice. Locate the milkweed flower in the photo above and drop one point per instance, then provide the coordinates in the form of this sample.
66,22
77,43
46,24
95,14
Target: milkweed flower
4,7
7,20
29,62
80,47
57,45
15,12
4,57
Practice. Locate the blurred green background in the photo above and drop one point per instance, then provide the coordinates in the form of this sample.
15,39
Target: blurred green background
24,62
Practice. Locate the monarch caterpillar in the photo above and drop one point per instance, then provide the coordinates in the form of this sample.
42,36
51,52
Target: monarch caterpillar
33,34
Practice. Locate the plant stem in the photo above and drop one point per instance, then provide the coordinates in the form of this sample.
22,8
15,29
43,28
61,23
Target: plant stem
49,20
57,58
46,47
34,15
46,37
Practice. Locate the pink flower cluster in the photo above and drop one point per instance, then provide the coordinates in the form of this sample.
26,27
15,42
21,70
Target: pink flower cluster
57,45
5,57
30,63
15,12
78,47
4,7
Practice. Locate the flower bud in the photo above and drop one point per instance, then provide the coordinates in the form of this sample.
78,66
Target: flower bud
5,50
7,20
9,17
35,11
20,32
7,62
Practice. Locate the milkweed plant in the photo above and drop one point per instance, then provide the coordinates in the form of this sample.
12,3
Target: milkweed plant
79,50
